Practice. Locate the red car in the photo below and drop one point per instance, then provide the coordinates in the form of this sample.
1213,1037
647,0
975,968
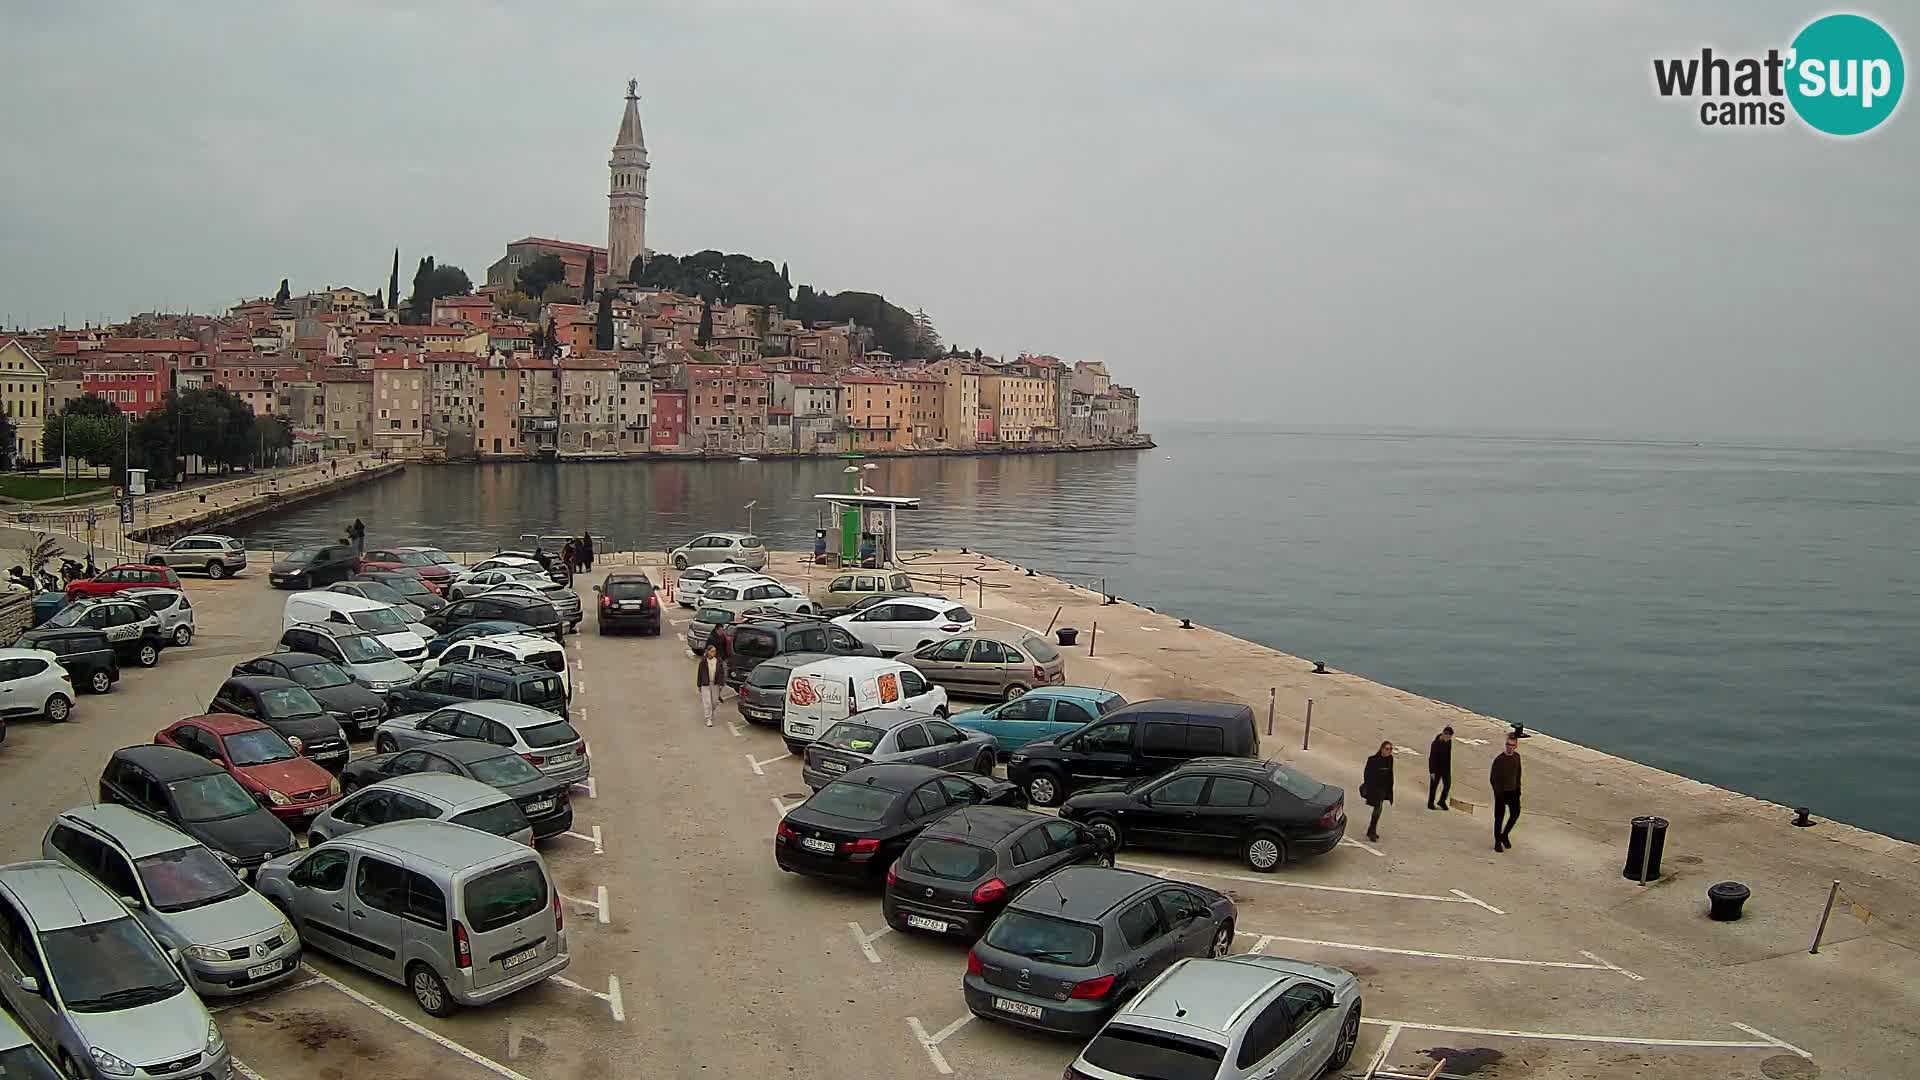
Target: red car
408,561
295,788
125,576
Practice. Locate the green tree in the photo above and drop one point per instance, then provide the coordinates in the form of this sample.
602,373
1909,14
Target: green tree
705,333
281,296
430,283
603,323
393,280
534,277
517,303
727,279
7,436
586,286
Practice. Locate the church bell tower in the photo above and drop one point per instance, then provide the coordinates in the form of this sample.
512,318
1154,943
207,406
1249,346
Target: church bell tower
627,192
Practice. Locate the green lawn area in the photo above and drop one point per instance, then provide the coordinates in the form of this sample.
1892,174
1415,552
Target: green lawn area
31,486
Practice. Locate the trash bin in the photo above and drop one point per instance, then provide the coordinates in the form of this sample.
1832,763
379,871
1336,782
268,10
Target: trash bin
1066,635
1725,900
46,604
1647,839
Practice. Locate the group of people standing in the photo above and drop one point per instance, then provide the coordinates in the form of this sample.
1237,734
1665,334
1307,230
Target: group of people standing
578,554
1376,784
355,536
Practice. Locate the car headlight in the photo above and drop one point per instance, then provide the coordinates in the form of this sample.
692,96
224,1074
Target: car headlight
215,1043
1015,759
278,799
206,952
297,743
108,1064
333,786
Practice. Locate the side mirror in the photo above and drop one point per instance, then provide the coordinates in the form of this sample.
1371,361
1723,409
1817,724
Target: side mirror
179,961
131,903
27,984
1147,800
599,589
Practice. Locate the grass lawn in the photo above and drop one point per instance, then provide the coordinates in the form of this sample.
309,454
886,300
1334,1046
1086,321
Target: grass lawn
30,486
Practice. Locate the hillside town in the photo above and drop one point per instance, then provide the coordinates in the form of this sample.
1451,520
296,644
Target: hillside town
563,354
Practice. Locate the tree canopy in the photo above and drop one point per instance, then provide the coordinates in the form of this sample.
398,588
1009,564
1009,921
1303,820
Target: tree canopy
534,277
213,425
726,279
430,283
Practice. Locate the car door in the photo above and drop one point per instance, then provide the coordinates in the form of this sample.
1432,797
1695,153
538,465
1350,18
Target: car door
1189,927
959,792
984,670
943,662
317,895
950,743
1067,715
912,624
13,690
20,959
842,643
1316,1027
1149,946
1103,752
1167,814
437,727
424,693
1227,813
1262,1049
1069,844
873,627
919,695
910,743
378,906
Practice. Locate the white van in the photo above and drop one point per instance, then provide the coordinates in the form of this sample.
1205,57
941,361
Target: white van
825,692
408,641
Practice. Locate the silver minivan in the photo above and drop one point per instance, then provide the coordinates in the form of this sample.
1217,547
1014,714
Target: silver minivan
172,607
456,915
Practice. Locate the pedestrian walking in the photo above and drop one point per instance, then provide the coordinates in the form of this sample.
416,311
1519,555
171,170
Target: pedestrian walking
708,680
1505,777
723,644
359,534
568,556
586,549
1376,786
1440,768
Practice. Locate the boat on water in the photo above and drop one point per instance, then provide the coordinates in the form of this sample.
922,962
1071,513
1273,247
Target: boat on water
744,457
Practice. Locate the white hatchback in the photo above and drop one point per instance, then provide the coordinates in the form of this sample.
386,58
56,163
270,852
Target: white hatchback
32,683
692,582
737,593
908,622
173,608
525,648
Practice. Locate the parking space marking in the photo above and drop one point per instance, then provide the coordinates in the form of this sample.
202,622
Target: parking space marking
1781,1043
734,729
594,839
241,1068
256,998
1386,1047
1598,965
1764,1041
611,997
592,791
759,766
429,1034
931,1043
1354,890
866,940
1476,901
781,806
1610,966
1363,846
598,905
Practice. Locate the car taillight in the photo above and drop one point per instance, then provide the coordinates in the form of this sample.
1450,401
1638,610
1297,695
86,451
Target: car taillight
653,601
989,891
534,759
893,872
605,600
559,920
1039,673
973,963
861,849
1332,816
1093,988
462,951
785,834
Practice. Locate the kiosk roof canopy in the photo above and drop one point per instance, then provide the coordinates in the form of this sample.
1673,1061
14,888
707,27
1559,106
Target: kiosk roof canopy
897,502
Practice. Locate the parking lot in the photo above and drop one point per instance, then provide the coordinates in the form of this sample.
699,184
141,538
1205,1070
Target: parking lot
693,955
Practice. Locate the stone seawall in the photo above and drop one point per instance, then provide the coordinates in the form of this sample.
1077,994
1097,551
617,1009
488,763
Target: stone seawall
270,501
1145,442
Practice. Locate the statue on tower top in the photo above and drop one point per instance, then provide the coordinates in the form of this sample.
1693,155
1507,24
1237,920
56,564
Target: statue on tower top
633,85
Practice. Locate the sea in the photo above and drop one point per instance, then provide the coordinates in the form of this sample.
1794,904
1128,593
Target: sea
1741,613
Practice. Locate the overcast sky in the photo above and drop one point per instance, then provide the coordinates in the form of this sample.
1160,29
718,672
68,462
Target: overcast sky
1412,214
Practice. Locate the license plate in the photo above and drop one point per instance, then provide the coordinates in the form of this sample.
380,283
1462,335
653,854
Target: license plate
263,970
834,766
369,722
921,923
560,759
520,957
813,843
540,807
1019,1008
329,755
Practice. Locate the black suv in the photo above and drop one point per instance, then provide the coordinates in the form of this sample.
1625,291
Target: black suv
352,706
85,652
1266,812
310,568
763,637
1144,738
625,600
537,615
199,798
481,680
286,707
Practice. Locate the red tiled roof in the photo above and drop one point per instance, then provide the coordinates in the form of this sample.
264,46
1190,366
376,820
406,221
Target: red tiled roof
396,362
589,363
869,380
310,343
161,345
343,375
562,244
725,371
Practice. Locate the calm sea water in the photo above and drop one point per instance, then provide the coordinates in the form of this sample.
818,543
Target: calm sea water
1749,616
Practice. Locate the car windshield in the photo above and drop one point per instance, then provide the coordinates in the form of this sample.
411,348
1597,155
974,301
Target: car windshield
440,558
505,896
416,558
629,590
300,555
1296,783
714,615
501,819
755,642
280,701
769,677
190,877
26,1063
949,859
320,676
68,616
503,771
379,620
257,747
155,602
1037,937
1135,1052
213,797
403,586
108,966
363,648
1039,650
856,801
555,734
859,738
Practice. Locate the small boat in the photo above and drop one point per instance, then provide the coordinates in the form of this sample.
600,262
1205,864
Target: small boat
743,457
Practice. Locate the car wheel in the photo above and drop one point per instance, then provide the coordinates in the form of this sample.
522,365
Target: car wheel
59,708
805,610
1107,827
149,654
1044,789
1014,691
384,745
796,748
679,562
216,570
985,762
1349,1038
1265,852
183,634
1222,940
430,990
100,682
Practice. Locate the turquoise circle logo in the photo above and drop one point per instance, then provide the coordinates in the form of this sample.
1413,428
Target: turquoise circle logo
1847,74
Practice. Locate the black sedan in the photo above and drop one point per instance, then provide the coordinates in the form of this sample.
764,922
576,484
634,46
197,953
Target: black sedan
286,707
310,568
355,708
1263,811
545,802
855,827
962,869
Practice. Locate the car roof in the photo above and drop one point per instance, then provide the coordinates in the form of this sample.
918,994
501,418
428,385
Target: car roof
1181,707
627,575
332,630
466,750
136,833
511,713
1086,892
97,601
1212,995
416,547
728,535
1077,693
493,665
135,566
886,719
1245,765
294,659
744,581
793,660
892,776
851,665
221,723
40,633
152,590
169,762
986,824
1008,637
438,843
446,787
260,682
520,639
222,537
24,653
511,598
341,601
57,896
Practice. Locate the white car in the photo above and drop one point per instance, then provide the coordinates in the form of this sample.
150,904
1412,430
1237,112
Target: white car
506,562
32,683
693,581
737,593
904,624
475,582
525,648
173,608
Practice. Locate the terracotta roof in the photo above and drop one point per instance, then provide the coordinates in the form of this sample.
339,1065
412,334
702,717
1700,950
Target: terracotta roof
343,375
160,345
869,380
463,301
561,244
396,362
725,371
310,343
589,363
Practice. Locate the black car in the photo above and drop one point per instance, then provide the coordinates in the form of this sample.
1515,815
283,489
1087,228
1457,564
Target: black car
763,637
481,680
310,568
86,653
199,798
857,825
537,615
1143,738
286,707
762,698
546,803
355,708
627,600
1265,812
409,586
964,868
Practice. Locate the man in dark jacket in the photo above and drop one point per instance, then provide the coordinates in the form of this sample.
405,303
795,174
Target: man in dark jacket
1376,786
1440,768
1505,778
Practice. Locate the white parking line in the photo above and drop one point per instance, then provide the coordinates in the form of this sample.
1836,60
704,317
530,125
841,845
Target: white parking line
866,940
734,729
1782,1044
599,905
435,1037
592,792
781,806
1766,1041
594,839
1261,945
611,997
241,1068
1352,890
1610,966
759,765
1363,846
1386,1047
931,1043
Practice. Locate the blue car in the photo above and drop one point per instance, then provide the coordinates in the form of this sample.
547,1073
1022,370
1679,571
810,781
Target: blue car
1041,713
438,645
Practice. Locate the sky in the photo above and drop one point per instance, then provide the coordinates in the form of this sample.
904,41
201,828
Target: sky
1421,215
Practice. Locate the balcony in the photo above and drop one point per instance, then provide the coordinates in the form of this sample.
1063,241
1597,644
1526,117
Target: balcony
539,423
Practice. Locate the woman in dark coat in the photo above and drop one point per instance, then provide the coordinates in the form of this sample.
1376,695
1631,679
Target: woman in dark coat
1376,786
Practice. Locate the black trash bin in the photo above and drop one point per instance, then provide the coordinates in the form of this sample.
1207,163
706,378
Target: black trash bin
1647,840
1725,900
1066,635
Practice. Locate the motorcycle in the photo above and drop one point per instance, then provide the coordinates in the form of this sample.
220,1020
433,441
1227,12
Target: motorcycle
71,571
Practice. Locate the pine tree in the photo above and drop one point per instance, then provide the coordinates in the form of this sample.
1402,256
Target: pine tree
603,323
393,281
281,296
586,287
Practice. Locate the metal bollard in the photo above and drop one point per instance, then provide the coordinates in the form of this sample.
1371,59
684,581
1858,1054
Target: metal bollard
1095,636
1306,737
1825,912
1272,692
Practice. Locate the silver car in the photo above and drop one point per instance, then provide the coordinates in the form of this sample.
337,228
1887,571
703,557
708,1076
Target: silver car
361,654
233,941
426,796
173,609
1234,1018
211,554
734,547
547,742
19,1056
895,736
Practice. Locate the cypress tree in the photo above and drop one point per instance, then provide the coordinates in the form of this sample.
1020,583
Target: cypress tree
586,287
393,281
281,296
706,324
603,323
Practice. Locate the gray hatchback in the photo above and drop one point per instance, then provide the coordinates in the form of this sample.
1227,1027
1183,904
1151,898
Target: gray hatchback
898,737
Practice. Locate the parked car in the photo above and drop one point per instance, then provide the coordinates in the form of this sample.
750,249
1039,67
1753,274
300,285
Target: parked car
198,796
481,680
379,594
359,613
856,826
295,788
503,563
1040,714
414,562
426,796
898,626
566,602
171,607
746,593
511,647
743,549
456,915
547,742
754,639
32,683
439,558
1265,812
762,698
86,654
531,613
691,581
352,706
1246,1017
361,654
547,803
991,663
484,628
407,587
879,735
125,576
230,940
207,553
961,871
626,600
850,586
1064,958
310,568
825,692
704,624
286,707
86,979
131,626
20,1055
868,601
1144,738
